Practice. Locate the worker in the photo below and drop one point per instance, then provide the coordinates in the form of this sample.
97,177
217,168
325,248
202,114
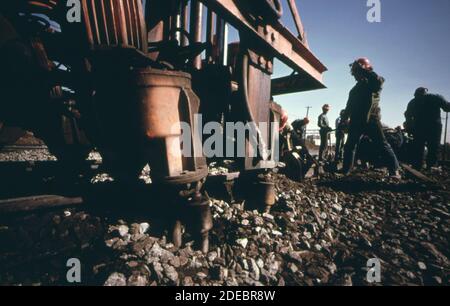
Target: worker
284,118
423,118
298,133
341,130
325,129
363,110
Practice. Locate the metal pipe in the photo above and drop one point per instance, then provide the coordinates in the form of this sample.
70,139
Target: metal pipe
224,59
220,40
122,23
297,20
210,35
175,21
196,29
184,23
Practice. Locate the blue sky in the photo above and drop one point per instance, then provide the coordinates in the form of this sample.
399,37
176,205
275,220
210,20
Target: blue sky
410,47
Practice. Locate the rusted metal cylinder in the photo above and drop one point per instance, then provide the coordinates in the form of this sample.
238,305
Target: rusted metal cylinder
258,191
267,193
165,102
159,93
202,222
140,113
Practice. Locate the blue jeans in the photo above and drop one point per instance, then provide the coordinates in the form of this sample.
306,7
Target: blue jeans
374,131
323,143
430,136
340,137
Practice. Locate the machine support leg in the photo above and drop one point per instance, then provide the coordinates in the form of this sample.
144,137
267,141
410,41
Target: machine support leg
202,221
177,235
191,209
257,189
204,244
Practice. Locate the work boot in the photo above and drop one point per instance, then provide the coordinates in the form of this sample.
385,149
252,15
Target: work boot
344,172
395,175
435,169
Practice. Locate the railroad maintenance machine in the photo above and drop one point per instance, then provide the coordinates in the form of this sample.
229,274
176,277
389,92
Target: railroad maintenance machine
127,75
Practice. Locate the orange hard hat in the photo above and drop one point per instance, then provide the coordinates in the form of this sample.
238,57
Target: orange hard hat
284,119
363,62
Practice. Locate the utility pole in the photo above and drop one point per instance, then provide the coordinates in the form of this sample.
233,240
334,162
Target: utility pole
307,116
307,111
445,138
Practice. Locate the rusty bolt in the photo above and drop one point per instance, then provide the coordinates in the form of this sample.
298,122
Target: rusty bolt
273,36
269,65
262,61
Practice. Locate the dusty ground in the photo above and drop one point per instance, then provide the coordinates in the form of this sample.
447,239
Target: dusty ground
321,232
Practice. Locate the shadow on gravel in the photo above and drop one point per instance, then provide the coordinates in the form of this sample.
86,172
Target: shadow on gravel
360,185
135,203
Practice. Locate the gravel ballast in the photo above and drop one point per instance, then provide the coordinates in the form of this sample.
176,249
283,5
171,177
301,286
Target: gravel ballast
321,232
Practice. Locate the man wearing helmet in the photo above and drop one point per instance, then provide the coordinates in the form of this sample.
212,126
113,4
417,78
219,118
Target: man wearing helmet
423,118
341,130
325,130
299,127
363,110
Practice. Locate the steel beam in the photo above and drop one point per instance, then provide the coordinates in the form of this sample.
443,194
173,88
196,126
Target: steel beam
277,40
293,83
297,21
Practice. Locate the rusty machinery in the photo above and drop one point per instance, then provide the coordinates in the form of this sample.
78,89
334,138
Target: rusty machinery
126,76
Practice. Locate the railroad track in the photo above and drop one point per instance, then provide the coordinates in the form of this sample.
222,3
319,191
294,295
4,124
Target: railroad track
26,185
14,148
42,166
37,202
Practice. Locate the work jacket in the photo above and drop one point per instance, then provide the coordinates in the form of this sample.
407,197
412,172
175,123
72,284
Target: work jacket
364,100
323,123
299,126
341,125
426,110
